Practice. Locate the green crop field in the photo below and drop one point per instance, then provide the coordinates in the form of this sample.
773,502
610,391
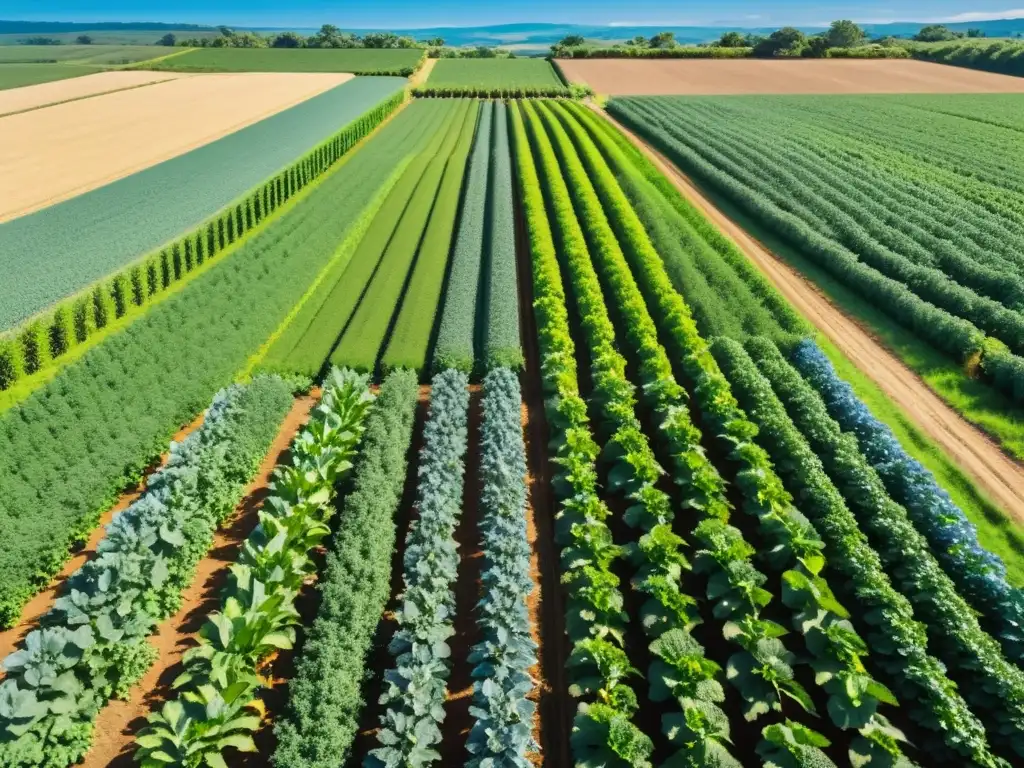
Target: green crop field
534,463
81,54
58,250
19,75
493,73
359,61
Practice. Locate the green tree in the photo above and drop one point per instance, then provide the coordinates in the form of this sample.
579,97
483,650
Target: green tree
934,33
663,40
976,33
731,40
788,41
169,39
817,46
844,34
571,41
83,40
287,40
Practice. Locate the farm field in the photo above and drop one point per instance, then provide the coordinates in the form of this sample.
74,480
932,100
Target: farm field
357,61
99,55
77,242
464,433
493,73
23,99
54,154
909,232
650,77
24,75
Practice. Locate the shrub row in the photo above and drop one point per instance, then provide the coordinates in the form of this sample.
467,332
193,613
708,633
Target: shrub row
456,335
793,541
1003,56
502,731
325,695
91,646
501,341
993,686
74,320
633,52
574,91
595,619
415,688
868,52
216,708
898,638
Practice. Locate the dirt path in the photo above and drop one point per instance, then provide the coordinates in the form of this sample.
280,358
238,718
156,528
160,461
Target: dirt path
420,77
43,601
1000,477
120,721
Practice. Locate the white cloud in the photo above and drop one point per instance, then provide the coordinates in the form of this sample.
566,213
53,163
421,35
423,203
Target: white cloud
1014,13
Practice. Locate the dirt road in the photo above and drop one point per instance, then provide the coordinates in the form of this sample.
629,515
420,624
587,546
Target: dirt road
996,474
650,77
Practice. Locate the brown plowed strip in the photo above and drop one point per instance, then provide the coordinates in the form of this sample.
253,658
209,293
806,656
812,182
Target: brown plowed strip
706,77
61,91
120,721
42,602
1001,478
49,155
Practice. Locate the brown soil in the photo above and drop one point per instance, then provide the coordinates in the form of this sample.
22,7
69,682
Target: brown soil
42,602
553,720
420,77
120,721
36,96
1000,477
457,721
49,155
640,77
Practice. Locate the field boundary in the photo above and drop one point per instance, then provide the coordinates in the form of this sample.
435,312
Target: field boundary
980,458
86,96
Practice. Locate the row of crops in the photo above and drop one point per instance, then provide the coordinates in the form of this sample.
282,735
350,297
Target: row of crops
428,281
849,614
923,224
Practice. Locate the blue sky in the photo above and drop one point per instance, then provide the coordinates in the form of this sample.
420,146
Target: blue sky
422,13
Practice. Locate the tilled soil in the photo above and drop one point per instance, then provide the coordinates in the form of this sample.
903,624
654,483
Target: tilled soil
60,91
707,77
49,155
1001,478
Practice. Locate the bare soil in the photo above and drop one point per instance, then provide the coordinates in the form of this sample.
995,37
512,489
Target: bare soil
649,77
49,155
59,91
39,605
420,77
1000,477
119,722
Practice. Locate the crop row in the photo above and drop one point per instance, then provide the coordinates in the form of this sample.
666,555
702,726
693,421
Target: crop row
91,430
726,554
365,333
75,320
502,713
501,91
91,646
216,705
324,696
764,492
414,689
864,246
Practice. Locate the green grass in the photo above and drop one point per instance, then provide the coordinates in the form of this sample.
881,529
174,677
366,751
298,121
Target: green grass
360,346
493,73
81,54
409,343
354,60
107,36
19,75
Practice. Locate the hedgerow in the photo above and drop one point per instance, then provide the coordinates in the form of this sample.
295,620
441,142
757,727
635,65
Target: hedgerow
501,338
414,691
993,686
171,264
216,706
898,638
325,695
501,92
632,52
1002,56
95,633
456,335
595,619
502,729
727,557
